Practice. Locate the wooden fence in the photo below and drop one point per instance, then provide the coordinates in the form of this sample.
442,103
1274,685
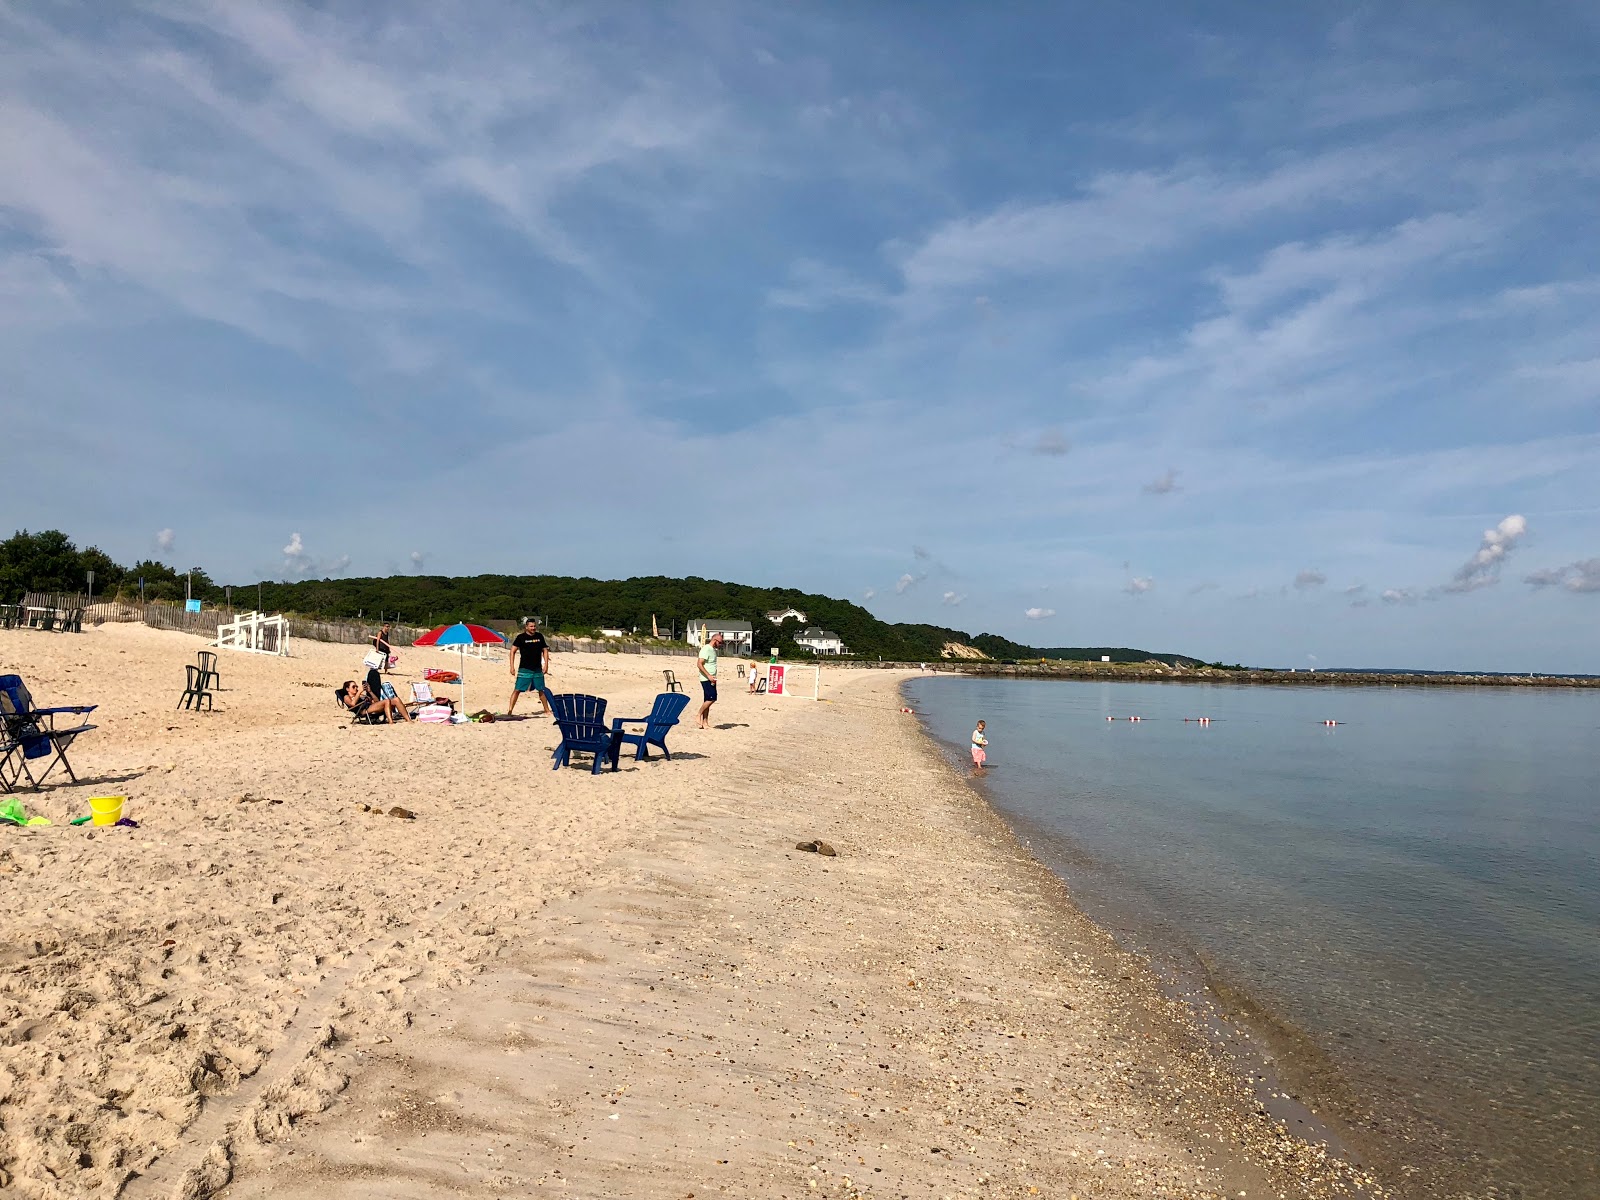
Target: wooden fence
173,616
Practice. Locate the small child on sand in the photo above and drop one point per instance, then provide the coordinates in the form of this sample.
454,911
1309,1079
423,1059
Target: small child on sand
979,754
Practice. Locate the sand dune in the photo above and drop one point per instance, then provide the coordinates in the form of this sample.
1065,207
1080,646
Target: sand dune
554,984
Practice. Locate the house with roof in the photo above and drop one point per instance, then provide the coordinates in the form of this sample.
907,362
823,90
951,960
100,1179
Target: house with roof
820,641
779,615
738,637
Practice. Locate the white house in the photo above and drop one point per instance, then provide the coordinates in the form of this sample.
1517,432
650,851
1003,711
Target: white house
737,636
822,641
779,615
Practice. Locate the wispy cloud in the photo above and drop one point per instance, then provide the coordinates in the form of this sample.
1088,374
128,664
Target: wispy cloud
419,559
905,583
1308,580
1051,443
1398,596
166,539
297,564
1163,485
952,599
1039,614
1483,568
1581,576
1139,585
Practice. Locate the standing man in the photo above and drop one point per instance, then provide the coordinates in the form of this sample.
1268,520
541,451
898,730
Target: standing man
529,664
708,677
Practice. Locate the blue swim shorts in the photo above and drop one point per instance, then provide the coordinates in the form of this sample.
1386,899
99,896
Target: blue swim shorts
708,690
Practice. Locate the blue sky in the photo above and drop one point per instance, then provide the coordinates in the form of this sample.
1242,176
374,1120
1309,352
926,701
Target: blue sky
1268,333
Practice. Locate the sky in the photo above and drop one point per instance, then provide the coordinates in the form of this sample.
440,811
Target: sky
1261,333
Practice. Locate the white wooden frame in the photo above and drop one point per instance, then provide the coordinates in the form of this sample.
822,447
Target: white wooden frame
255,634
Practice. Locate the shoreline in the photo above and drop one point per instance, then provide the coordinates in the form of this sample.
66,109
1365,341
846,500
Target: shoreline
1272,1060
556,984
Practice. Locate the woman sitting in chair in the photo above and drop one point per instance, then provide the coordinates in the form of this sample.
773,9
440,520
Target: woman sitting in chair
367,703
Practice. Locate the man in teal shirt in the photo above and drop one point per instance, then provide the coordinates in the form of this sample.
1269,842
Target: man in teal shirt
708,677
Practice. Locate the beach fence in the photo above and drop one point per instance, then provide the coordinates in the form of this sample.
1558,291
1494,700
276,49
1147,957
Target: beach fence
159,615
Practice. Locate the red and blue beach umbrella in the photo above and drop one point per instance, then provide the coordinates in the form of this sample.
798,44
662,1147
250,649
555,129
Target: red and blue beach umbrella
463,635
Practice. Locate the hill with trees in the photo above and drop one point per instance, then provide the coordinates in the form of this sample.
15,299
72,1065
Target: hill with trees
50,562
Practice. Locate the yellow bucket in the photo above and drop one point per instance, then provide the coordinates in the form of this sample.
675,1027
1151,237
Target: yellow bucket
107,810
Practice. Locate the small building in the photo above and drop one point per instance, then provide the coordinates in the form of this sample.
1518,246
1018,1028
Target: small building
779,615
613,632
820,641
738,637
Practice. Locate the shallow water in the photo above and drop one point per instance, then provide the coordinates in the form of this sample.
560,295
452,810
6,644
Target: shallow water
1414,889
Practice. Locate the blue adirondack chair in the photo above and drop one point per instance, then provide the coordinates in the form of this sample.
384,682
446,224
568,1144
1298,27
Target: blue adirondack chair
30,733
582,720
663,716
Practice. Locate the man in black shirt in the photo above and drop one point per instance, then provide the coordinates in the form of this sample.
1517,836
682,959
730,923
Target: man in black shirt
529,664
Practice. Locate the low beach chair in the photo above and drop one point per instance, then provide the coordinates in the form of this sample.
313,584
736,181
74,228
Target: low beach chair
582,720
663,716
31,733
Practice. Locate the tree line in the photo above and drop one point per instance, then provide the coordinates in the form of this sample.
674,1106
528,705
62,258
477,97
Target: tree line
50,562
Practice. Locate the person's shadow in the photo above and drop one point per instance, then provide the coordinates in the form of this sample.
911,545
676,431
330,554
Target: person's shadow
733,725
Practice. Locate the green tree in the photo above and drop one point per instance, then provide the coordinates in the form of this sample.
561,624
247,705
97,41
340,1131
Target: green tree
39,562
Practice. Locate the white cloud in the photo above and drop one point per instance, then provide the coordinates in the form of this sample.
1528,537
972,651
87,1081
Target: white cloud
1483,568
1308,579
953,598
1039,614
1398,596
1139,585
418,559
165,540
869,593
905,581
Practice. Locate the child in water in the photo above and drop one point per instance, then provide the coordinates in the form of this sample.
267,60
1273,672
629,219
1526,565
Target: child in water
979,754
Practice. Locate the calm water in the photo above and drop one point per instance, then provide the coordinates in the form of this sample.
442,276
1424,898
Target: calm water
1415,889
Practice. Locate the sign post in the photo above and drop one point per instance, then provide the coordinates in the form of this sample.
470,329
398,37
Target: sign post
91,587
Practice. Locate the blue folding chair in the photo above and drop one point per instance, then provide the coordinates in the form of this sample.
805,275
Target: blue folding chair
582,720
663,716
30,734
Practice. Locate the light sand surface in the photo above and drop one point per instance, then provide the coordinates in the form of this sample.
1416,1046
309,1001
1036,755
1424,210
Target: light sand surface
551,984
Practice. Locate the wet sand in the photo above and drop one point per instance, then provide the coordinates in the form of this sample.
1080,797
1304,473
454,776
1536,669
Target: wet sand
550,984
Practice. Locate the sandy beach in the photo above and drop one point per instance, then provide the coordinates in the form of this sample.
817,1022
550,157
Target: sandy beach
551,984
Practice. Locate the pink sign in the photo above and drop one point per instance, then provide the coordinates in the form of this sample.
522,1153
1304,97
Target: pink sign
774,680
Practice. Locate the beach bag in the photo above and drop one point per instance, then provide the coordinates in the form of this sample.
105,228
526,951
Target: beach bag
374,661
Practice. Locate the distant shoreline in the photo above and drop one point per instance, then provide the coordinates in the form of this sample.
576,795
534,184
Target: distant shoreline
1143,673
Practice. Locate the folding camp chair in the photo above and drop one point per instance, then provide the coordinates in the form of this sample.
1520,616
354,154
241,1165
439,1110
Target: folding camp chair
31,734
